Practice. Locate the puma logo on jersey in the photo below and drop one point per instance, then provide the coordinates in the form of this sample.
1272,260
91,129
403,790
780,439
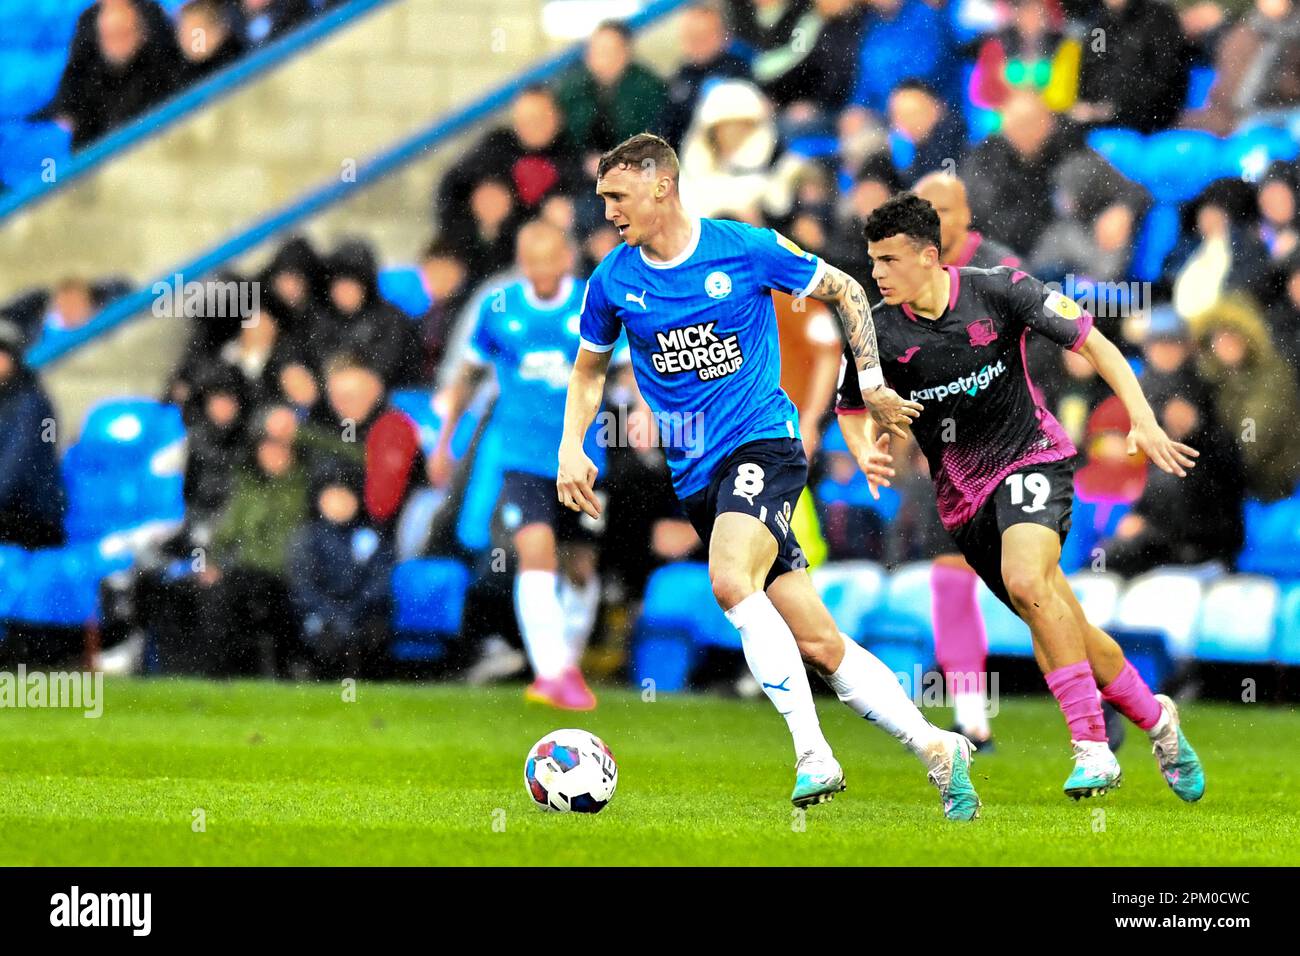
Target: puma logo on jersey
639,301
907,356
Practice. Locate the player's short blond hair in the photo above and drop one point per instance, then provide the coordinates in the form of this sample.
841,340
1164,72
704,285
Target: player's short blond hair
642,151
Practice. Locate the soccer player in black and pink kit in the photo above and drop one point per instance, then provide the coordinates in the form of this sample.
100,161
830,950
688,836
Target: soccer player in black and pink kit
953,339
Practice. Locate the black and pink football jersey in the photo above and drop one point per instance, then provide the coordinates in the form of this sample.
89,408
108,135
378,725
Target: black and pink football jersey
982,418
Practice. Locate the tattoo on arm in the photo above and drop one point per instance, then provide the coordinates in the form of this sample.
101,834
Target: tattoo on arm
849,299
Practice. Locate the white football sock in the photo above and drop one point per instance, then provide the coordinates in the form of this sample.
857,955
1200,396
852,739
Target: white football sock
871,690
774,660
969,712
581,604
541,622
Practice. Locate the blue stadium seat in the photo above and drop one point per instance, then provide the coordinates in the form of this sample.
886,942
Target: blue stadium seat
428,598
1179,163
1156,239
1155,621
1007,634
1272,539
1237,621
1124,148
1198,87
1098,593
1286,649
62,584
1248,154
403,286
1090,523
26,147
14,563
900,632
851,591
125,470
678,616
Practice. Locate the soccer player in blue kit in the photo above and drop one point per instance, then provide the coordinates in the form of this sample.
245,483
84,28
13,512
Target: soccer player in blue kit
694,298
1003,467
527,333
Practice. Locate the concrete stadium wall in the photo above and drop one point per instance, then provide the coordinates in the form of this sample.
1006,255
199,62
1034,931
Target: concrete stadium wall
182,192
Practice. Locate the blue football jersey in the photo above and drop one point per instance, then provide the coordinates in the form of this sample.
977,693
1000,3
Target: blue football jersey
531,345
702,334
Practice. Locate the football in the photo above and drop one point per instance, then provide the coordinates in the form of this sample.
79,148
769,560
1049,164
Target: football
571,771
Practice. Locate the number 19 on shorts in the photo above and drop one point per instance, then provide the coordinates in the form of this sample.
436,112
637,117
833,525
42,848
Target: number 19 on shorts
1035,485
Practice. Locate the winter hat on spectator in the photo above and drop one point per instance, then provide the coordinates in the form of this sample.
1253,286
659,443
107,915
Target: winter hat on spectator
354,259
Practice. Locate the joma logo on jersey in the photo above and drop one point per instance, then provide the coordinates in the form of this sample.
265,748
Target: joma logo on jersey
697,348
969,384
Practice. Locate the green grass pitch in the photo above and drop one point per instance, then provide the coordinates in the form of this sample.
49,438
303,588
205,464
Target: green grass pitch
427,775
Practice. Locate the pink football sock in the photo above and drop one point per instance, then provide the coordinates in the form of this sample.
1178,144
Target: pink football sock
1130,695
1076,692
960,643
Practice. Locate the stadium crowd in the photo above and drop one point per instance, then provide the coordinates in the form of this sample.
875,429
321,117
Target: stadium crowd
127,56
304,484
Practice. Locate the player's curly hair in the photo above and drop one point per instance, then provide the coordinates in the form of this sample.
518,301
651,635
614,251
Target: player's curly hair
906,214
642,151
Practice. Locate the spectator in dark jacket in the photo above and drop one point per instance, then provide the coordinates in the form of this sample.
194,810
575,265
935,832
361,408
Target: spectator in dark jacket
534,156
1284,315
123,60
1185,520
32,500
702,37
1256,68
206,39
234,615
937,134
1220,252
1278,202
446,278
1036,182
1137,75
607,98
297,276
339,578
361,321
765,24
1254,392
215,444
355,424
816,68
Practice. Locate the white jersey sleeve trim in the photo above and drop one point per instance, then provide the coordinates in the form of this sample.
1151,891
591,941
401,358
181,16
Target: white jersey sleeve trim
594,346
814,281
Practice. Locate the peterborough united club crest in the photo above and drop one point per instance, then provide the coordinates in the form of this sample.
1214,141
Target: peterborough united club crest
981,332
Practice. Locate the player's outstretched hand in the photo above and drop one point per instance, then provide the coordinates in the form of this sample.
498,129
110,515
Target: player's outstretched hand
1169,456
875,463
574,482
892,413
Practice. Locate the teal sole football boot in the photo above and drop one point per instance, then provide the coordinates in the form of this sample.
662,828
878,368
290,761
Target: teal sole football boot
1179,764
817,780
1096,770
950,772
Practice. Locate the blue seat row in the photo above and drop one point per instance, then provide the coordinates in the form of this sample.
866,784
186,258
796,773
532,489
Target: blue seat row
1160,618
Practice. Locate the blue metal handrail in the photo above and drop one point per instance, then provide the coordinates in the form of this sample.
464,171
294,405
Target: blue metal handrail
218,86
319,198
